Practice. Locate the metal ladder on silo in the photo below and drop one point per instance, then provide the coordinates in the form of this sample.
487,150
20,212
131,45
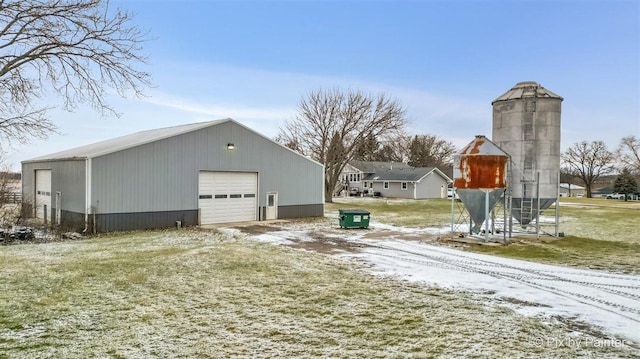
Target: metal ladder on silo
529,148
526,204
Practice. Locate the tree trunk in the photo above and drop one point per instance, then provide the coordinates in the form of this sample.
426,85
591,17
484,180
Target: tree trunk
328,196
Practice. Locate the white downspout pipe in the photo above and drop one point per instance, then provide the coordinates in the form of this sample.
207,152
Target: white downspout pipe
87,194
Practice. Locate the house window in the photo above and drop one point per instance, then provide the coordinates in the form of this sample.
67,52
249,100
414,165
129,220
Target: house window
358,177
404,186
364,185
386,185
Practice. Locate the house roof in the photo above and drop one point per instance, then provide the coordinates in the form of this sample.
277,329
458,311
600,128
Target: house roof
126,142
375,166
404,174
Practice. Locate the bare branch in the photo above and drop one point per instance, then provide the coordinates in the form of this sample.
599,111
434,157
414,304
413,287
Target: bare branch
332,123
629,154
80,50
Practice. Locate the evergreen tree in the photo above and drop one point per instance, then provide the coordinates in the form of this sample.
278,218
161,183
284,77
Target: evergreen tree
388,153
430,151
367,148
625,183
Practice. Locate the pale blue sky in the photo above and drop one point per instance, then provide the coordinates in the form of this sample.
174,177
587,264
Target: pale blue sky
444,60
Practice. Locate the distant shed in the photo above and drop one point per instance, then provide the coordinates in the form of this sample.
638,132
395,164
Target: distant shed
202,173
571,190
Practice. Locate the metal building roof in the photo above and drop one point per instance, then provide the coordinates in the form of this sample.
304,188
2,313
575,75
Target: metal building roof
526,89
125,142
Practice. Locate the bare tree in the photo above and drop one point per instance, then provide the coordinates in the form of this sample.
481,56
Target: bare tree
629,154
79,50
588,161
330,116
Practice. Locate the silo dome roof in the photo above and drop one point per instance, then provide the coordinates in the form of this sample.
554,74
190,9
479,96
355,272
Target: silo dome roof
526,89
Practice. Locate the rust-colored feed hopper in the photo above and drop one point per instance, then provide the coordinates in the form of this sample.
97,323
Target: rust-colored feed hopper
480,177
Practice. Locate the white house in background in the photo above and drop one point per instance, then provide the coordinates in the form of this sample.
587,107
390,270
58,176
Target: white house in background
354,173
571,190
394,179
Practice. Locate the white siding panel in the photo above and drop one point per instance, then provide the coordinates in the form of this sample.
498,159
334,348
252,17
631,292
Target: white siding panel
227,197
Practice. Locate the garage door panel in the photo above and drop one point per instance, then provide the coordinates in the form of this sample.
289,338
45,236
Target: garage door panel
227,197
43,194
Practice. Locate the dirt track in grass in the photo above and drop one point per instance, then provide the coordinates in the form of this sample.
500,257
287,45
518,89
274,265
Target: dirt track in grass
592,301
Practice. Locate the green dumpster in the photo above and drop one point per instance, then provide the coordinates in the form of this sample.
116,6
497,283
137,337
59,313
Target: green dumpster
354,218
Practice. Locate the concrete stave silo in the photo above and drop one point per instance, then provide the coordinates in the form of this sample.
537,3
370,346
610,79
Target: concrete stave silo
526,125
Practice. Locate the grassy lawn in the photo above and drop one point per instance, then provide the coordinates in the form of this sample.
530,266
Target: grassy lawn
600,233
201,294
590,253
607,220
408,213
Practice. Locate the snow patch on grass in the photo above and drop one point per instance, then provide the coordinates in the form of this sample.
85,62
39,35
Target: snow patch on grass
211,294
276,238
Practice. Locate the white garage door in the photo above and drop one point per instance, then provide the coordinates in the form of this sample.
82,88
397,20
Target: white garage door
227,197
43,194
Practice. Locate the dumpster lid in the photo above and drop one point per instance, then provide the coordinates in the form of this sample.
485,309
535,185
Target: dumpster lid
354,211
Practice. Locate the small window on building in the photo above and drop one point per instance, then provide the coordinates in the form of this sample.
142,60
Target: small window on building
358,177
235,196
404,186
220,196
249,195
386,185
364,185
205,196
